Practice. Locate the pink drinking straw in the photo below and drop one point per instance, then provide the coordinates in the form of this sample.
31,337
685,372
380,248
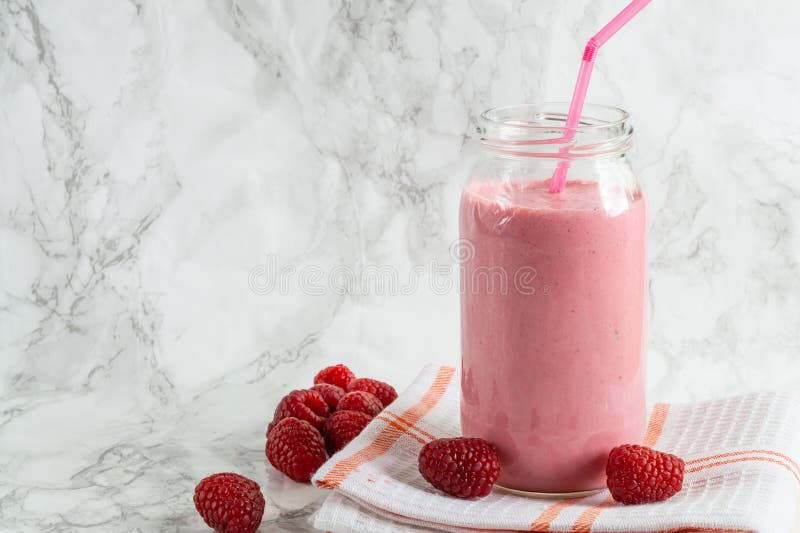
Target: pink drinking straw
582,84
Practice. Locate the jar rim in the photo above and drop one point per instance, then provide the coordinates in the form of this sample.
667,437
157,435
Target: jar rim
540,130
492,115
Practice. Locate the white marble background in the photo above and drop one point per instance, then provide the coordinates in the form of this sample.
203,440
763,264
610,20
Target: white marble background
153,153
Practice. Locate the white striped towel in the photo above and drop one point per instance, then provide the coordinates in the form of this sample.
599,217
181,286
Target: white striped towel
741,458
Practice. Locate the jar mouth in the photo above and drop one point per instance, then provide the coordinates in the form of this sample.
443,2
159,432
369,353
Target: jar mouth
540,130
535,116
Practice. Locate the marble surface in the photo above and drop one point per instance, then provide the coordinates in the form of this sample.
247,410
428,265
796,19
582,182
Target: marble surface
156,158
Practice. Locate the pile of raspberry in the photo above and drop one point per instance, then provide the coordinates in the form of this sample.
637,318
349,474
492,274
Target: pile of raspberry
311,424
307,427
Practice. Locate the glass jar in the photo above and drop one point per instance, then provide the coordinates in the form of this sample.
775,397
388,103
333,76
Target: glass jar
553,296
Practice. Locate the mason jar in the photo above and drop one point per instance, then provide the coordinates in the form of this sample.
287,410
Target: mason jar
553,296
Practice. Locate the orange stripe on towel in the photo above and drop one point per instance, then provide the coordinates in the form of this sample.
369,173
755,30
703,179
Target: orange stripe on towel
543,521
656,425
742,459
746,452
584,522
409,430
389,434
403,421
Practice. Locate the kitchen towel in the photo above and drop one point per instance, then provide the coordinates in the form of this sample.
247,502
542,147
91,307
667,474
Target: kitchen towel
741,458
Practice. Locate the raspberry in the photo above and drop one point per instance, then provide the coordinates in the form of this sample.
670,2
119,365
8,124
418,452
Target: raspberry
360,401
296,448
641,475
342,427
308,405
385,392
338,375
229,503
462,467
331,393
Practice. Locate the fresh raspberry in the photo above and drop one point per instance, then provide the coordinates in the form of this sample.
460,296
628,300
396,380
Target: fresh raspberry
308,405
360,401
637,474
385,392
229,503
331,393
338,375
462,467
342,427
296,448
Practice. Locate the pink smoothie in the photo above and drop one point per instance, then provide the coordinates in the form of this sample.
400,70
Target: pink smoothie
553,370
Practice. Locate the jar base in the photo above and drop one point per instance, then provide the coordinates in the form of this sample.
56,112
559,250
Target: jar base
550,495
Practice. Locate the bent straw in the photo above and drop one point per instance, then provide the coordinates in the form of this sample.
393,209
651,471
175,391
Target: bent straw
582,84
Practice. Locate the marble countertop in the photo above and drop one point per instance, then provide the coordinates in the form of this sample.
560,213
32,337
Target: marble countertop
82,462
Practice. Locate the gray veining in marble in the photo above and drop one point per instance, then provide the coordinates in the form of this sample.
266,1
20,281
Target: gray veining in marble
152,154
